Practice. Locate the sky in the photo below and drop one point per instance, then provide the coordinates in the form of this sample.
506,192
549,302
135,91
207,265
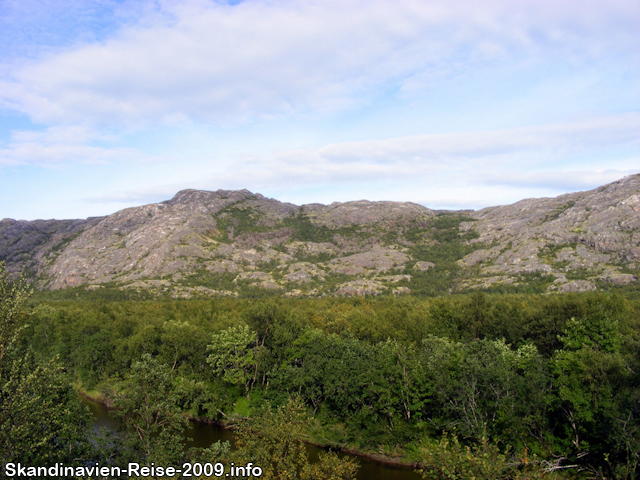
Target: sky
452,104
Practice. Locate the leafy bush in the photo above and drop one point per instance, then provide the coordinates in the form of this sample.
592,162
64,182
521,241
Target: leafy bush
449,459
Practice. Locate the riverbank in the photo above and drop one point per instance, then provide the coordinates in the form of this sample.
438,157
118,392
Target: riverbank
395,463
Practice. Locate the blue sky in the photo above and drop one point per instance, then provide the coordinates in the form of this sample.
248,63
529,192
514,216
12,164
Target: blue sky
107,104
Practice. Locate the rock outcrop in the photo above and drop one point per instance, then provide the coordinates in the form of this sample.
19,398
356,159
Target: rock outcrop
595,232
224,242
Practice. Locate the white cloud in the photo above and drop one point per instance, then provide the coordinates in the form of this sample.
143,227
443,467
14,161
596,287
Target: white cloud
218,63
512,156
63,146
454,170
561,180
481,156
138,196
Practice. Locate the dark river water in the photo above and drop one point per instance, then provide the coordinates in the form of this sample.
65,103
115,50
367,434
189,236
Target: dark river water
203,435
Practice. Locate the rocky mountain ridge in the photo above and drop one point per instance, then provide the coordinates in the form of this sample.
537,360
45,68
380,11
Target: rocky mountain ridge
596,233
237,243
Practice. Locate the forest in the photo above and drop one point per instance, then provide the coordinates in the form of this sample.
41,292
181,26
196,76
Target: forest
484,386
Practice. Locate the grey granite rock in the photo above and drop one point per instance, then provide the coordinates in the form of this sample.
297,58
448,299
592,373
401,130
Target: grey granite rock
369,245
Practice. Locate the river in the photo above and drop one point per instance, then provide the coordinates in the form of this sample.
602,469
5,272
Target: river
203,435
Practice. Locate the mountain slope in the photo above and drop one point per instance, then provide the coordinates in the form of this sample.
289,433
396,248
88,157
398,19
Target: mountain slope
237,242
594,233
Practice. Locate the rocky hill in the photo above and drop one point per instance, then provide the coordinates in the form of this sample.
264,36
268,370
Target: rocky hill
240,243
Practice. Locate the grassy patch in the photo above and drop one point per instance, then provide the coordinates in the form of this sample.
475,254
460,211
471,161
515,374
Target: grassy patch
316,258
558,211
305,231
238,219
442,244
550,250
579,274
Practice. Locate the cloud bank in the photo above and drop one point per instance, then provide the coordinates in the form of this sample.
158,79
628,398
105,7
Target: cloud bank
454,170
212,62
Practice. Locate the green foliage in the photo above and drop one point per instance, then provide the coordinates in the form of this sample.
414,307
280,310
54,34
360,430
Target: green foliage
485,386
449,459
110,292
216,281
273,440
334,371
13,295
527,283
441,244
555,373
41,420
447,225
148,408
306,231
237,219
596,331
589,372
233,356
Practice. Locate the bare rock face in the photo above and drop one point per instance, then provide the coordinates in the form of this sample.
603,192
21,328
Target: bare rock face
578,231
304,272
311,248
379,259
364,212
577,286
360,288
619,278
219,243
422,266
605,220
28,246
159,240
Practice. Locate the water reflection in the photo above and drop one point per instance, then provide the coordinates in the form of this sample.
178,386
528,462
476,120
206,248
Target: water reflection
203,435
